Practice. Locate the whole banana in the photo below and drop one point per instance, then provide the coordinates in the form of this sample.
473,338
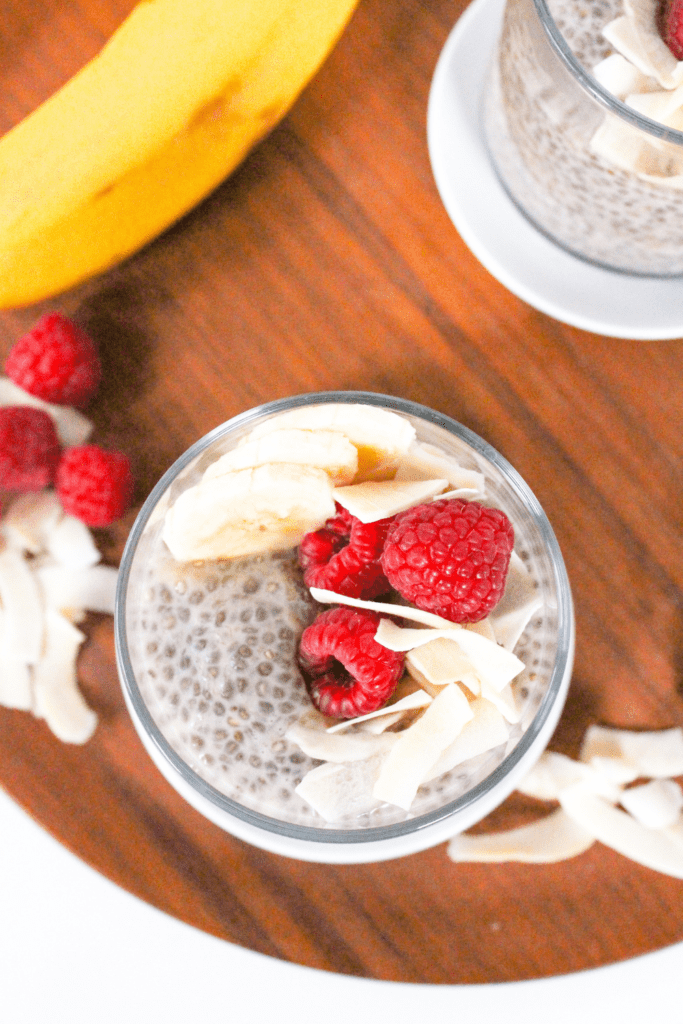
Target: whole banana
173,102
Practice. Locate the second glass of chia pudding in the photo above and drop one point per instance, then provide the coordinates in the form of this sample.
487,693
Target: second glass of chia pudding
584,126
210,644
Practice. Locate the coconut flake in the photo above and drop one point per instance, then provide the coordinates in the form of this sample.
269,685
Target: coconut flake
655,804
554,772
58,699
655,754
417,748
417,699
23,618
618,830
71,426
504,700
642,15
338,791
519,603
319,744
439,662
485,731
70,590
70,543
555,837
373,500
620,77
15,676
29,519
424,462
399,610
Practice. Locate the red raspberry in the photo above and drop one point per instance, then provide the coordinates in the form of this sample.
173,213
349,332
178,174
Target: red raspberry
346,671
56,361
671,26
29,449
344,556
450,557
94,485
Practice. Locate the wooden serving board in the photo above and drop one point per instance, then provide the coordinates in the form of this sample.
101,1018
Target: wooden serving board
327,261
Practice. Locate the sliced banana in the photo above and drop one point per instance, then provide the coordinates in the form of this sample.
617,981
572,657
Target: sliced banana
328,450
269,508
380,437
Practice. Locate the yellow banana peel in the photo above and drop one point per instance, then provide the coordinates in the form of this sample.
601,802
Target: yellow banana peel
169,107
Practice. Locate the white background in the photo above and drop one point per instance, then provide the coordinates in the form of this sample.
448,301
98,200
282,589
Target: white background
75,949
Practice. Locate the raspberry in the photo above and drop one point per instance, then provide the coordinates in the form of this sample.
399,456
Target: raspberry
450,557
29,449
94,485
344,555
671,26
347,672
56,362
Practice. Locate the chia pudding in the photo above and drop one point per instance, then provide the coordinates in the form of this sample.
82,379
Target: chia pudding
212,645
543,123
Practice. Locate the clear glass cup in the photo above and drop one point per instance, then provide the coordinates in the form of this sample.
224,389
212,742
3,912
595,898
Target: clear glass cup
145,608
542,112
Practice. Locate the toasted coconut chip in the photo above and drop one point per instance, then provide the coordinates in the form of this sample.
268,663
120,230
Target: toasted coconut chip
614,770
399,610
378,499
554,772
417,748
376,726
65,589
23,618
675,833
29,519
518,605
620,77
655,804
504,700
70,543
486,730
439,662
338,791
416,699
318,743
15,676
553,838
72,427
618,830
490,662
466,493
483,628
642,15
58,699
655,755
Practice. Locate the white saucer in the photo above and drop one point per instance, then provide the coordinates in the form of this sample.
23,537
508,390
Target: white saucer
519,256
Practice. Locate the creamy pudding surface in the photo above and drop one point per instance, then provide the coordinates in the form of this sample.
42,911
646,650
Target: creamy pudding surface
617,202
213,643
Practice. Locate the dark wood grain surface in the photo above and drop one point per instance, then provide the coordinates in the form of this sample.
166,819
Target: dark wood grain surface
327,261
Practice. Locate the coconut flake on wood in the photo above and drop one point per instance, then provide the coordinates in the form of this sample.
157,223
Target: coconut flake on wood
486,730
23,610
15,676
417,748
71,426
554,772
70,590
614,828
374,500
655,804
655,754
554,838
57,697
29,519
70,543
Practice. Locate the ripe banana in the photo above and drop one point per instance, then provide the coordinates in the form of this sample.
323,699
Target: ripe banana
174,101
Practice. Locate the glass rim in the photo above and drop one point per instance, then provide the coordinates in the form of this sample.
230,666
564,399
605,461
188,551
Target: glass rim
593,87
325,834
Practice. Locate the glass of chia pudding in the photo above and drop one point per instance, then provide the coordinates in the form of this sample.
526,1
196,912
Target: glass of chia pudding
208,645
584,126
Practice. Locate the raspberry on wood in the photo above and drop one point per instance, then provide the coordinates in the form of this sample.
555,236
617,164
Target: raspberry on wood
347,672
450,557
56,361
344,556
29,448
94,485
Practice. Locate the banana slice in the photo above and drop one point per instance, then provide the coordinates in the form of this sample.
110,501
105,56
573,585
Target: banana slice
380,437
323,449
269,508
